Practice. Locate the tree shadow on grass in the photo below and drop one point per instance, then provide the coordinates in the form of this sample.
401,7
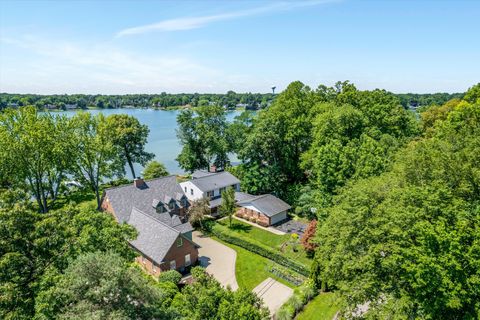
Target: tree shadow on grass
240,227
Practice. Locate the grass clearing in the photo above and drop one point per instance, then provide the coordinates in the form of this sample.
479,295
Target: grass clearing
246,231
251,269
322,307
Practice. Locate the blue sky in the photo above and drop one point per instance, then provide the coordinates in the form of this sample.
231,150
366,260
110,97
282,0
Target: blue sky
116,47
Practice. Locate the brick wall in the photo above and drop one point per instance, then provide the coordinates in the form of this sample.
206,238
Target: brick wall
178,254
253,216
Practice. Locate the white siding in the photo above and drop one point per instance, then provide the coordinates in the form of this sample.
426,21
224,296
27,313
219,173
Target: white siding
197,193
278,217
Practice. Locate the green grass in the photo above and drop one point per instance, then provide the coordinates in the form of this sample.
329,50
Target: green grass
322,307
251,269
246,231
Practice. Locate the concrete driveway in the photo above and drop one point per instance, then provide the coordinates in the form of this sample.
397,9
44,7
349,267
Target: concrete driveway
218,260
273,293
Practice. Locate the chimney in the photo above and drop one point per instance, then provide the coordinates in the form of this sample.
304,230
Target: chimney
138,182
213,168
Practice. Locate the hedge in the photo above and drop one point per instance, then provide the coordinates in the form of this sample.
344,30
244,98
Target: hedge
263,251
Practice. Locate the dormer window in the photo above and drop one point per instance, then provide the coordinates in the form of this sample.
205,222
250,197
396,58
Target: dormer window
160,208
171,205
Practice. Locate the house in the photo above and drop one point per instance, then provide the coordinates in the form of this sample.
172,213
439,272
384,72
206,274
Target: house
266,209
157,209
209,185
70,106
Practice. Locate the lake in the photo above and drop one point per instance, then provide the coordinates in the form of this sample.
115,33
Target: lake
162,140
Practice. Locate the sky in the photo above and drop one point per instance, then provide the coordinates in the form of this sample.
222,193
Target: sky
121,47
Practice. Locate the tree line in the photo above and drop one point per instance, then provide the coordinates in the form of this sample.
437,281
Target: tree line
230,100
395,194
40,152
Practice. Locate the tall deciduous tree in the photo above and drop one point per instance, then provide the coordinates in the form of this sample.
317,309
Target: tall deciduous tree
154,169
228,207
202,134
278,137
96,158
129,137
36,151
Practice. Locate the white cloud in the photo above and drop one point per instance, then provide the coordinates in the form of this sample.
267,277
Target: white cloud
189,23
63,66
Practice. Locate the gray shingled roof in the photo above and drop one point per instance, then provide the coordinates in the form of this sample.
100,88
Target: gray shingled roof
215,181
154,237
267,204
124,198
201,173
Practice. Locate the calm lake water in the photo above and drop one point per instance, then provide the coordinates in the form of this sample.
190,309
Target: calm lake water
162,140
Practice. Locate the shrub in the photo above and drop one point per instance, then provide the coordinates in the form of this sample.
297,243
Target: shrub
295,304
263,251
170,276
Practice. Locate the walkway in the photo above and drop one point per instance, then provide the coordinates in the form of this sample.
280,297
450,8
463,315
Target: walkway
218,260
273,293
269,229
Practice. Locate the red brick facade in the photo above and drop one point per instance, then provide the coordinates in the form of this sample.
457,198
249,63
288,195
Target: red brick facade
253,216
176,253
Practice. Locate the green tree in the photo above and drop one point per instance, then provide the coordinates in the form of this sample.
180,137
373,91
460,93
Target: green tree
102,286
198,211
96,158
129,137
228,207
35,151
154,169
407,240
279,135
202,135
36,247
206,299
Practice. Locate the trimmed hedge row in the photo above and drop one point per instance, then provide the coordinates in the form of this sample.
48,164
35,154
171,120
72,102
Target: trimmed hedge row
263,251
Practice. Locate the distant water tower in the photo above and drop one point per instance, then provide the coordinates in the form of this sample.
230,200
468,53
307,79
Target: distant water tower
273,89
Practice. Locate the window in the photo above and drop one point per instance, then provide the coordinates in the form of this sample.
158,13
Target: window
209,194
222,190
185,189
173,265
171,205
179,241
187,260
191,192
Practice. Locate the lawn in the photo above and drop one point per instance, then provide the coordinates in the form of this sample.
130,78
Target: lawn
246,231
251,269
322,307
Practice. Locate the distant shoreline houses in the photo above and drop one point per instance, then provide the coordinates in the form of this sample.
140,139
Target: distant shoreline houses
158,209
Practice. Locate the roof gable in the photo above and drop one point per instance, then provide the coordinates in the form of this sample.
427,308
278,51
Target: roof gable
155,238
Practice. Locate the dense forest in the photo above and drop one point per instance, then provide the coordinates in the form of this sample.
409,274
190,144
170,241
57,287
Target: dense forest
395,196
230,100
